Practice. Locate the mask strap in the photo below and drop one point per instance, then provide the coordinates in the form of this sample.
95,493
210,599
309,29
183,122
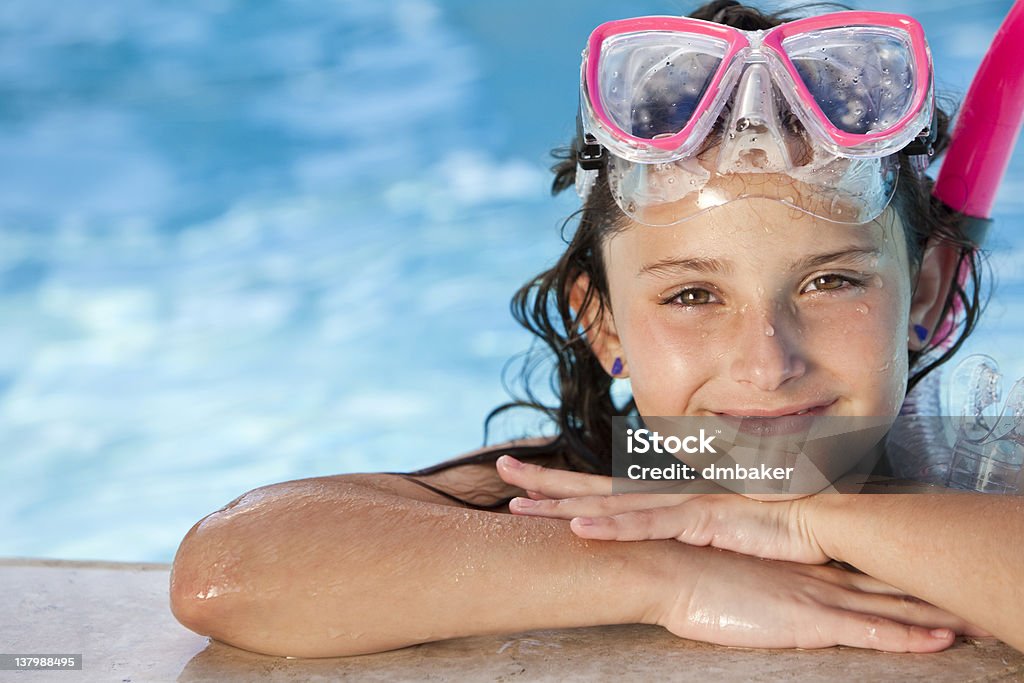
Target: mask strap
922,148
590,157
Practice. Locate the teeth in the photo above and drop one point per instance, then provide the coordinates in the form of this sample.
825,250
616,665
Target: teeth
805,410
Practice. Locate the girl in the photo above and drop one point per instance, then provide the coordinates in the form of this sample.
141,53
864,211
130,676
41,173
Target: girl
796,264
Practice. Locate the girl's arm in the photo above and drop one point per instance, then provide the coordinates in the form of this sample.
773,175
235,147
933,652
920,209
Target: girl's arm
363,563
962,552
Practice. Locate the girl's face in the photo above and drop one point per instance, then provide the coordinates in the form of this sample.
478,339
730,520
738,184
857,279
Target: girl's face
754,309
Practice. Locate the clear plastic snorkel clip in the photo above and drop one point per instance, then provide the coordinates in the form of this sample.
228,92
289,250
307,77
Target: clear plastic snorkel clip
590,156
988,452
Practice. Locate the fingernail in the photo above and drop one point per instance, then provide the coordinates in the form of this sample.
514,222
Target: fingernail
522,503
584,521
510,462
941,633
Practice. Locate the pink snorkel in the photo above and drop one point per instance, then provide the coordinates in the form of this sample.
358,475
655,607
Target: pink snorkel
987,127
983,139
976,160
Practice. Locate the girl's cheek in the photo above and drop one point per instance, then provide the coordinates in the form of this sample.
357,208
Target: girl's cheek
865,346
669,357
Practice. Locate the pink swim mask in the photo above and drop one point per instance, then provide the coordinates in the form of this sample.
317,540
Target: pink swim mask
811,113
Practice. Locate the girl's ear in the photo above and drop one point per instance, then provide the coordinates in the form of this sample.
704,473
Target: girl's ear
934,280
598,326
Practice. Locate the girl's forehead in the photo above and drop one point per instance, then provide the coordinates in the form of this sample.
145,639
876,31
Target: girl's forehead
757,232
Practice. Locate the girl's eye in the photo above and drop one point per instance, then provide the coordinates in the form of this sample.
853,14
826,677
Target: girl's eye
825,283
692,296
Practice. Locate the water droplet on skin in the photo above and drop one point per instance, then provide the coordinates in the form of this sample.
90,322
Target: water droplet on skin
769,331
862,309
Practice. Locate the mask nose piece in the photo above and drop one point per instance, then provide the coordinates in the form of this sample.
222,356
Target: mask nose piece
755,140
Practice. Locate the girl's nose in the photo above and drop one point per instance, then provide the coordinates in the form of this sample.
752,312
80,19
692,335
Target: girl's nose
768,350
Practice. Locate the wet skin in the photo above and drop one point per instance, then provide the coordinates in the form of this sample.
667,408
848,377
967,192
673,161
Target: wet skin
757,309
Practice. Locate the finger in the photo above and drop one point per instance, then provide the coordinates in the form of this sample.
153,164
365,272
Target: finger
878,633
588,506
866,583
905,609
679,522
550,482
848,578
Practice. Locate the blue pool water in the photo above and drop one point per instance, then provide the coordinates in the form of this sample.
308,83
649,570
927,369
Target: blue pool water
248,242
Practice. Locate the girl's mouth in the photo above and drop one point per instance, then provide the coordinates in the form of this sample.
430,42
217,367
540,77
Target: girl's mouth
787,420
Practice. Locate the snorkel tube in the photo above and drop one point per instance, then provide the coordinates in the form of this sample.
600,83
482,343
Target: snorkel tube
975,163
986,129
982,141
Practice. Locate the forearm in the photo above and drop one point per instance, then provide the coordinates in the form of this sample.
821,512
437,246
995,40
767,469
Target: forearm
962,552
327,567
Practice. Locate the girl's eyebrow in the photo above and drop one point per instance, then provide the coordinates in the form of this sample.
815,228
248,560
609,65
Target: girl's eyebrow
848,254
702,264
699,264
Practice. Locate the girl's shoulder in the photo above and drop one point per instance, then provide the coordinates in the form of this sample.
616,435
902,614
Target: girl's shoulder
473,478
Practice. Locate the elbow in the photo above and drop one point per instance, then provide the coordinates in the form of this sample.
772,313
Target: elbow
207,574
207,577
242,575
192,584
206,593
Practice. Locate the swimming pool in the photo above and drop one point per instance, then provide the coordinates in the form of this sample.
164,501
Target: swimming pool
244,243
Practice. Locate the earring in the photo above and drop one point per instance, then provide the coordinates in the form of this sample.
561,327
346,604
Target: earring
616,367
921,331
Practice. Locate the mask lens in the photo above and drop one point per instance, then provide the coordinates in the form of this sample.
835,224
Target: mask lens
652,83
863,78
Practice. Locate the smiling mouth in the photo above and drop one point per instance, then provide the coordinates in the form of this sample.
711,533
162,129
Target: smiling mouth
785,421
799,409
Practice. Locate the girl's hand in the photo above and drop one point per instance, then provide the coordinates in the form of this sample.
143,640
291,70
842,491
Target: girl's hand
774,530
734,599
747,602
